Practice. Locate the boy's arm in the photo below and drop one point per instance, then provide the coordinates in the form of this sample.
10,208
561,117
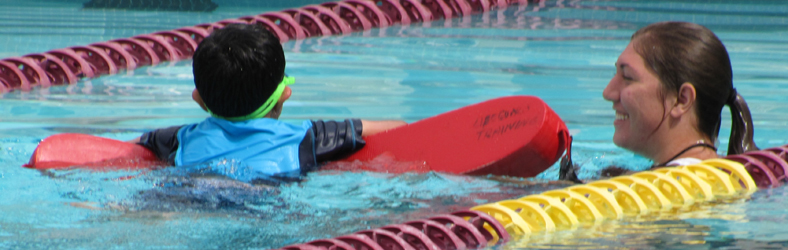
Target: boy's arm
336,139
163,142
374,127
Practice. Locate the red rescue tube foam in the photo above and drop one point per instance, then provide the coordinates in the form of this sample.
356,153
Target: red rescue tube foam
91,152
515,136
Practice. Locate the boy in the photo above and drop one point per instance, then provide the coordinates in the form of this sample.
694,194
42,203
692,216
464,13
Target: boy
239,79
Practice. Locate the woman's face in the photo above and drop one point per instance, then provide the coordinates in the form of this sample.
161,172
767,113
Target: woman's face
640,108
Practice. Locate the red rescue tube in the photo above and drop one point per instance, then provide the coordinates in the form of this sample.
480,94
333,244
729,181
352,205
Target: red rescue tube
514,136
90,152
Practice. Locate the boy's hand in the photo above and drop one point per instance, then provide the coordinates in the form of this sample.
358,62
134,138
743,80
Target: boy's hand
374,127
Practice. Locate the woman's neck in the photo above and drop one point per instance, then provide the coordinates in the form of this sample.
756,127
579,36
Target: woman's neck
679,138
702,149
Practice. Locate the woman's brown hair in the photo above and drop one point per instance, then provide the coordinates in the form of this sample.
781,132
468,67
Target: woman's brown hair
680,52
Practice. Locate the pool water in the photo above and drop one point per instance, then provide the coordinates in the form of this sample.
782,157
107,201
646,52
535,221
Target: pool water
560,51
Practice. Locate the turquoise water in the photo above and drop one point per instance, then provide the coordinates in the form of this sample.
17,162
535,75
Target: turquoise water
561,51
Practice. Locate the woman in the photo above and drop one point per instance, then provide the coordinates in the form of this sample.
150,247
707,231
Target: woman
671,83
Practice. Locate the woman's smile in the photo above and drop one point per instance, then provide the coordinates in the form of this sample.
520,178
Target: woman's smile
620,118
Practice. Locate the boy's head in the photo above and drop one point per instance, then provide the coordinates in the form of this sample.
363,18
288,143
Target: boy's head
237,69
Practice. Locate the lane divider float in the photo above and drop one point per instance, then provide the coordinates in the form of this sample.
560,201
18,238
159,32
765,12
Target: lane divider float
481,226
68,65
660,190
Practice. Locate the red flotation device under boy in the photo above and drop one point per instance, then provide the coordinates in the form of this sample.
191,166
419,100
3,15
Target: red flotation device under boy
515,136
90,152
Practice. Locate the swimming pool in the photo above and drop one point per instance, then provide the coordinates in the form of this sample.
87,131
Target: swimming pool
561,51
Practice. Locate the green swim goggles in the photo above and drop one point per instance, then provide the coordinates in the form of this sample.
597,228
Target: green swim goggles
266,107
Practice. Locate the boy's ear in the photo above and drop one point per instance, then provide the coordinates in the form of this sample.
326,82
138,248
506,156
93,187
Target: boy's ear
285,94
685,99
198,99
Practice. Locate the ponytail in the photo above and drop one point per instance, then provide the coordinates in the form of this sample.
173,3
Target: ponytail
741,125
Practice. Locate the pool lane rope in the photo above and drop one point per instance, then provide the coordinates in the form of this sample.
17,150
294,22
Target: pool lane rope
69,65
481,226
660,190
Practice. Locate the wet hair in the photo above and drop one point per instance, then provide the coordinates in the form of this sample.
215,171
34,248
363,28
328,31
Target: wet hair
680,52
237,68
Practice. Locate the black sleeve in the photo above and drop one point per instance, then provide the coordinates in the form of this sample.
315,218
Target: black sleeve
334,140
163,142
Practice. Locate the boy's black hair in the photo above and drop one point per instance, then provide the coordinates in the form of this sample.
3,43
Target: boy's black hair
237,68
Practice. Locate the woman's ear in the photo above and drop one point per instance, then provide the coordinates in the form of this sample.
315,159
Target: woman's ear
685,100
